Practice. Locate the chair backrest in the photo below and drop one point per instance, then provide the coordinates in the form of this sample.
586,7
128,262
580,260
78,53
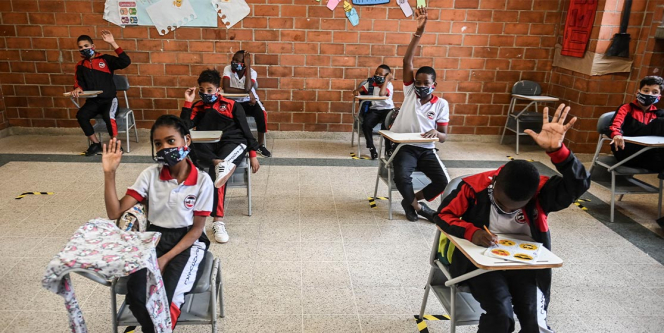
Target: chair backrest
389,119
121,82
527,88
604,122
451,186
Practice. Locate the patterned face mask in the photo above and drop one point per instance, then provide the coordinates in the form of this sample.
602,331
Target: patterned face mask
647,100
236,66
379,79
87,53
172,156
423,92
208,98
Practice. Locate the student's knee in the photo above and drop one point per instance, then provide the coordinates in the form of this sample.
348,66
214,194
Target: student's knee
81,115
499,316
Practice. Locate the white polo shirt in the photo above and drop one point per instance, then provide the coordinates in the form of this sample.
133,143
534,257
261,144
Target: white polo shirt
417,118
173,205
380,105
508,224
237,82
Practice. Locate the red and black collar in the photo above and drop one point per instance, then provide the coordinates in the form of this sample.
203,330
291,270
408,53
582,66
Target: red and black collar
192,178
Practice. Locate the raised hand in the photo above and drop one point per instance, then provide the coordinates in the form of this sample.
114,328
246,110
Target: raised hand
247,59
111,155
421,18
107,37
190,94
553,133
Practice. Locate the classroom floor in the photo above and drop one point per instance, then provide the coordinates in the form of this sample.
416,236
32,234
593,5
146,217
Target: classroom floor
314,257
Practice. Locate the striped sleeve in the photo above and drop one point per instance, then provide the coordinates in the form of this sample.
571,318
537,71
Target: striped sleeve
455,205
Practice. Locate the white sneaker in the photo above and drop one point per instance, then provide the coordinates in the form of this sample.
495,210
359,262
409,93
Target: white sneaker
223,170
220,233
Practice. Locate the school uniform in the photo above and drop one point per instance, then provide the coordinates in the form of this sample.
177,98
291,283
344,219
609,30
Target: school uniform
377,111
227,116
172,208
415,117
96,73
257,110
631,120
468,209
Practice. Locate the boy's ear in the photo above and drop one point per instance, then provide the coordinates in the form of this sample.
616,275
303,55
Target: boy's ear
435,84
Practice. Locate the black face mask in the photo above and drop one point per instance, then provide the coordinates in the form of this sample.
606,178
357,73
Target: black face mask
379,79
423,92
647,100
172,156
236,66
208,98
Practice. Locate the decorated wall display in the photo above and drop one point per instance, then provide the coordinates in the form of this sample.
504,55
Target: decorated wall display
369,2
351,13
578,26
167,15
332,4
164,15
405,7
231,12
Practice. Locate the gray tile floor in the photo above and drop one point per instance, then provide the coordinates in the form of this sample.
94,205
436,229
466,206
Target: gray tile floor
314,257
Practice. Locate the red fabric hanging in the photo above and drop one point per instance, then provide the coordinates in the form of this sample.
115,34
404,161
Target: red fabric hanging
578,25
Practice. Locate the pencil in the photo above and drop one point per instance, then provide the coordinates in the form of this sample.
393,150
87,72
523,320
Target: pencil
487,230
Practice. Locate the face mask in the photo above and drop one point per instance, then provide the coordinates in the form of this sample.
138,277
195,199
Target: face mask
236,66
493,202
423,92
88,53
379,79
647,100
172,156
208,98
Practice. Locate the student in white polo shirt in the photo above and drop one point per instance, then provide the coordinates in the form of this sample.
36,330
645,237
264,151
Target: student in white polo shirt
180,199
235,82
375,111
421,112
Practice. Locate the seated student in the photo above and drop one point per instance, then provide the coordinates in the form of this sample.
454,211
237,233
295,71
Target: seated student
421,112
180,200
95,72
513,199
378,85
215,113
235,82
640,118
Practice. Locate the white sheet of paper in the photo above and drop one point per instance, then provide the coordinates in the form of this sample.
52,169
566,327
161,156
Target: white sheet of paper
405,7
167,15
332,4
111,13
231,12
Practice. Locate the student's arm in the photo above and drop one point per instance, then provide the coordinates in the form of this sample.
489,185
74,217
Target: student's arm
110,160
254,86
252,145
360,90
560,191
421,17
226,82
450,220
190,114
441,124
385,87
615,129
202,209
79,82
122,60
248,83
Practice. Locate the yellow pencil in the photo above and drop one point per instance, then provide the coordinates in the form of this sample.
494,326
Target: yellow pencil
491,234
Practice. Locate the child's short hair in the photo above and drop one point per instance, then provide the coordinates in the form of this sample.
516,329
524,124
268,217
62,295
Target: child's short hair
519,180
210,76
650,80
84,37
427,70
169,120
239,52
385,67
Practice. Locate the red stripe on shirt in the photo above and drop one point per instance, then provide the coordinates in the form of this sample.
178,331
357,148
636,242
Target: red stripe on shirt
135,195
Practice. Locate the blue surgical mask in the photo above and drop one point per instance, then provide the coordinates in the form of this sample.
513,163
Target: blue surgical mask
208,98
236,66
423,92
172,156
88,53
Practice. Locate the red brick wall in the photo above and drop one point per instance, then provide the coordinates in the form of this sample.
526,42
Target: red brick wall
308,58
591,96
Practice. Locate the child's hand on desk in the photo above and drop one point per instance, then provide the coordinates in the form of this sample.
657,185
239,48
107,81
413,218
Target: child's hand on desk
75,92
356,93
553,133
483,238
190,94
430,134
618,141
111,156
253,162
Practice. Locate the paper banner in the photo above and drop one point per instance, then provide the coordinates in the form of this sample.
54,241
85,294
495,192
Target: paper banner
369,2
405,7
231,11
111,13
168,15
332,4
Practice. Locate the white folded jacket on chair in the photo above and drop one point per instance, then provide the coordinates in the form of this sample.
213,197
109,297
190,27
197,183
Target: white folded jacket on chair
99,246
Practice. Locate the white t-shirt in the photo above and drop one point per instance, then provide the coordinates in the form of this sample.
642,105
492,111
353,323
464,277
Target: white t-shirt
173,205
380,105
508,224
417,118
237,82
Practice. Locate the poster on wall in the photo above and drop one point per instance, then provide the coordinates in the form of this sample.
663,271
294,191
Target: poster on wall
578,25
204,10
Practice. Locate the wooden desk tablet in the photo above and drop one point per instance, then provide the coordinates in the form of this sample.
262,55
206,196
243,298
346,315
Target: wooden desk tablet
87,93
206,136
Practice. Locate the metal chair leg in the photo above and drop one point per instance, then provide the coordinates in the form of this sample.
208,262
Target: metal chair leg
518,130
613,194
453,296
621,197
127,131
389,190
426,293
249,190
133,119
659,204
509,112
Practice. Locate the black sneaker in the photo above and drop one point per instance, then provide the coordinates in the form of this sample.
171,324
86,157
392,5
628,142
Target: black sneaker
426,212
263,151
130,329
94,149
374,153
411,214
660,221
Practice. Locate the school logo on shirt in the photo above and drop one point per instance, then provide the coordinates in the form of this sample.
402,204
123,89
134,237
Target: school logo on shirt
520,217
102,64
431,115
189,201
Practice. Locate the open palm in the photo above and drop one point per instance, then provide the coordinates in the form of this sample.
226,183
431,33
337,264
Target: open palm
553,132
111,156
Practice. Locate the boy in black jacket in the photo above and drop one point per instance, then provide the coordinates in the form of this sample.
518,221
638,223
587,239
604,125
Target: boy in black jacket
513,199
215,113
95,72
